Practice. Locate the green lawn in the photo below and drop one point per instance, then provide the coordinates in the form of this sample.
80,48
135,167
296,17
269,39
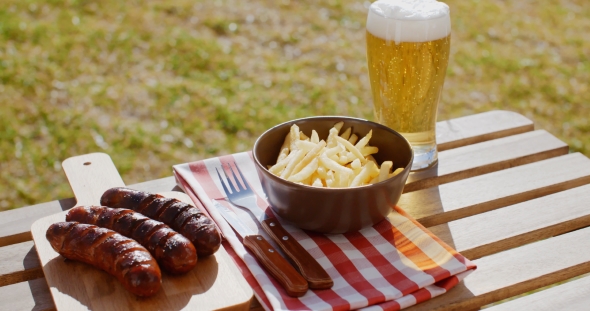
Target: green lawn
156,83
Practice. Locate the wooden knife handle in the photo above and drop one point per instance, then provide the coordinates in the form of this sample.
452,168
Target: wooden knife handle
310,269
276,265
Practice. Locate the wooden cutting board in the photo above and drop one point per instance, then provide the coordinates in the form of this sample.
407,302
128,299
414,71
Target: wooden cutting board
216,283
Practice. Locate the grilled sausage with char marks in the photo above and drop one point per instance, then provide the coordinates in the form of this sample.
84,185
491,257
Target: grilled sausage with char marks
110,251
175,253
182,217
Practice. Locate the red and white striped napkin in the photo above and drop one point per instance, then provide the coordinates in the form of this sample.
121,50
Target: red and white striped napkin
392,265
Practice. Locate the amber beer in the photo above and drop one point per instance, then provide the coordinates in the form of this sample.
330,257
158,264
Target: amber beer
408,45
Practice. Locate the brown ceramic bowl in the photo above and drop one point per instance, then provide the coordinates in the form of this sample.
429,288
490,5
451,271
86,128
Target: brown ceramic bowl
333,210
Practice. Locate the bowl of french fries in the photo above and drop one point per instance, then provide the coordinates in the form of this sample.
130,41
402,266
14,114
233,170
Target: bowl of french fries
332,174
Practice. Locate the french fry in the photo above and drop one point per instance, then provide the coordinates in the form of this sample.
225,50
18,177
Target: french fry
353,138
365,140
337,182
338,126
343,159
280,166
346,134
351,157
299,154
284,148
331,140
384,170
356,164
330,179
306,172
294,136
302,136
342,179
334,150
312,154
314,137
356,171
364,176
357,153
374,170
322,172
370,158
333,165
397,171
305,145
317,183
367,150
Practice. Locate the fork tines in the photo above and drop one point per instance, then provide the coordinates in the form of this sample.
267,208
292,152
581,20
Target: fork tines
240,185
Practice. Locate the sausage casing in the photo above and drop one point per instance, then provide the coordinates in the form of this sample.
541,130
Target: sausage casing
182,217
175,253
110,251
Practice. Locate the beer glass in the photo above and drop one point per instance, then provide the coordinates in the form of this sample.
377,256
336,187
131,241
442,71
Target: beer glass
408,43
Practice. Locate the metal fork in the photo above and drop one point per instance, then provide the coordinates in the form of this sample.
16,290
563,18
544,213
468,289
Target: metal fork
245,197
241,196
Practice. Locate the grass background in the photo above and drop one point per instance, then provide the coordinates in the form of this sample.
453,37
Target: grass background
156,83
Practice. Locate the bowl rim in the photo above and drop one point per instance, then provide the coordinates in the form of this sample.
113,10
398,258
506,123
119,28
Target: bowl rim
343,118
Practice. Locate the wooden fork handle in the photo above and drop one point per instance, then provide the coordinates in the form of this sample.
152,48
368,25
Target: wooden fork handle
310,269
276,265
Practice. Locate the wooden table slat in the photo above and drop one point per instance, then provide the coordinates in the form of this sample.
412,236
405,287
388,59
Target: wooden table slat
516,271
31,295
19,263
466,197
15,225
518,224
571,296
486,157
480,127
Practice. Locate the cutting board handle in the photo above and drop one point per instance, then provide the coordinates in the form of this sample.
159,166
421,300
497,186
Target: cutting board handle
90,175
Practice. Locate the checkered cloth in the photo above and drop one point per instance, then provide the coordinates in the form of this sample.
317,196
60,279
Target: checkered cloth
392,265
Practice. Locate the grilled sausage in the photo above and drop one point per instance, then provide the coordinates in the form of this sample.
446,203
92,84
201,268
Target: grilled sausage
105,249
182,217
175,253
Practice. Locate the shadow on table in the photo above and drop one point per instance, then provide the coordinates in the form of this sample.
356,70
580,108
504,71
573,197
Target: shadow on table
426,206
41,295
31,265
66,204
79,283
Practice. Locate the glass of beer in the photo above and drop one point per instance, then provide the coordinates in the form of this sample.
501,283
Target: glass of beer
408,43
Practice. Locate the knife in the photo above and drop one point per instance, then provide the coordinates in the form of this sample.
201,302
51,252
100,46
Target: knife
293,283
309,268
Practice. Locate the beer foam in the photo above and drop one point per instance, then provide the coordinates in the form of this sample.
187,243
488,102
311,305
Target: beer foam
409,20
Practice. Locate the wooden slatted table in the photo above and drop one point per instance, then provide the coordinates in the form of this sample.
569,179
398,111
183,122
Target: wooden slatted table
509,197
